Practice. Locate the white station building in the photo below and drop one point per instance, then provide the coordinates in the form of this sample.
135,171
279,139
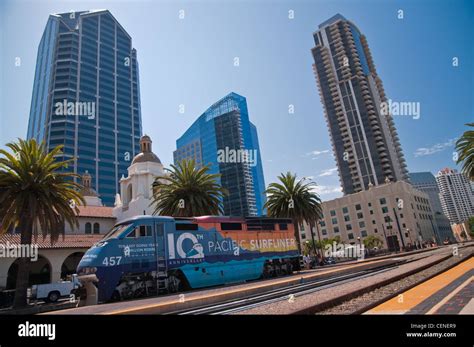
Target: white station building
137,188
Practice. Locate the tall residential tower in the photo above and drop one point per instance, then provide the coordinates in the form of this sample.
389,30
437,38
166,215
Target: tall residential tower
456,195
86,96
364,139
224,138
426,182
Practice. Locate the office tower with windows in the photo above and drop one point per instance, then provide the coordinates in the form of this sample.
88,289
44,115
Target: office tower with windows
364,140
224,138
86,96
456,195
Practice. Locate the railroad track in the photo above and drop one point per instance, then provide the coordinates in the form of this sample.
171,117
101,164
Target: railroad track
288,293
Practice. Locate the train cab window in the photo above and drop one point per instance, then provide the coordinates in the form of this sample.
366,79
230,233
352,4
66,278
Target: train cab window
132,234
145,230
116,231
140,231
283,226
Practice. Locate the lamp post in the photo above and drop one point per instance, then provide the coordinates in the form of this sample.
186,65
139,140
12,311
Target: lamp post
399,230
385,234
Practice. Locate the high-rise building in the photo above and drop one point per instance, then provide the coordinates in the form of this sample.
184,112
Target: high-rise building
456,195
364,139
224,138
426,182
86,96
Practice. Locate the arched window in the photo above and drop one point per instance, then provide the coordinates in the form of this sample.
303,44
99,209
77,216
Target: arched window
88,228
96,228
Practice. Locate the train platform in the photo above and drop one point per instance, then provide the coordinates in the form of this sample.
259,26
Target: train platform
451,292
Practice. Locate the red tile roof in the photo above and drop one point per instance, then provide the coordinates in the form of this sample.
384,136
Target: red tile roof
96,211
68,241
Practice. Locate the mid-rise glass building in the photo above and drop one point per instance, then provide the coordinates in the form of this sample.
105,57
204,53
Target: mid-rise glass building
86,96
224,138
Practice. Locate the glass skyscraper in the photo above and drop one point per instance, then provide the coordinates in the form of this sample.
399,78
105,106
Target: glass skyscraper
365,142
224,138
86,96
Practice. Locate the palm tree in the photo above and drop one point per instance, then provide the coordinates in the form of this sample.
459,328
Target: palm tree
187,191
465,149
34,195
294,199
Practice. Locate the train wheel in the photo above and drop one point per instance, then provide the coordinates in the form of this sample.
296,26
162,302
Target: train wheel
175,283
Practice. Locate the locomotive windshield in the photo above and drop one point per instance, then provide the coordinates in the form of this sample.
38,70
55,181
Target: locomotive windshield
117,230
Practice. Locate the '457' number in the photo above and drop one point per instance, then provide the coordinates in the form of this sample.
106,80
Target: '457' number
112,261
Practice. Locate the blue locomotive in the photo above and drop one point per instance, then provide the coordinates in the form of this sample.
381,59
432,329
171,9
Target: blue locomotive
146,255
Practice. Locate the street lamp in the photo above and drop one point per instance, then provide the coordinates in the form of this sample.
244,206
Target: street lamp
398,226
385,234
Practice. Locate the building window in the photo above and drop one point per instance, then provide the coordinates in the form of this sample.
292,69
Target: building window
358,207
345,210
350,236
371,212
383,201
404,225
324,232
333,213
336,229
303,236
363,233
385,209
347,218
401,215
362,224
88,228
302,227
96,228
375,230
370,204
322,223
373,222
334,221
348,227
387,219
360,215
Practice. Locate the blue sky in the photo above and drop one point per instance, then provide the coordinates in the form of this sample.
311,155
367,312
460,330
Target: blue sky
190,61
